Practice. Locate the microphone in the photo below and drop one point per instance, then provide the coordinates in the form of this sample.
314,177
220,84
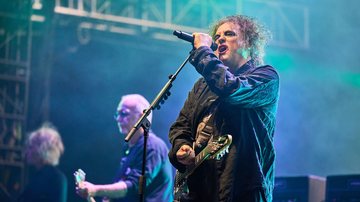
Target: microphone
188,37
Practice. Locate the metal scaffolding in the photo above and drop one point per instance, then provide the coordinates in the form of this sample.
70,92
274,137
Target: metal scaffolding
15,57
288,22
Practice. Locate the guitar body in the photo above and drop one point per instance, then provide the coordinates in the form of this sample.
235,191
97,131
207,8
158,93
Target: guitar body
215,149
181,189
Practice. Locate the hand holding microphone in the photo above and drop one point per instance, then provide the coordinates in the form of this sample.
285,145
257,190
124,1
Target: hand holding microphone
202,39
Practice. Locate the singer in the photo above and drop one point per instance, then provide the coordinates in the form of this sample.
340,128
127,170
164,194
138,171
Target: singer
238,95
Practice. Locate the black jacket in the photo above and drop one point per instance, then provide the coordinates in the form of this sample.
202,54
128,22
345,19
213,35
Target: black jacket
48,184
246,108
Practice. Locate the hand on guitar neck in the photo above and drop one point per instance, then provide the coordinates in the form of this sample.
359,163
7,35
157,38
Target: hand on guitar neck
81,186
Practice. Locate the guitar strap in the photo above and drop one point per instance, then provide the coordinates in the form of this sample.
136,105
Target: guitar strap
204,130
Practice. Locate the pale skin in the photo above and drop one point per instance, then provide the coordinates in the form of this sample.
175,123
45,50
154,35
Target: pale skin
232,51
89,190
130,115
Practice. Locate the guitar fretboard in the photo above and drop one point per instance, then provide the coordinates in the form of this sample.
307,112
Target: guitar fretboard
201,157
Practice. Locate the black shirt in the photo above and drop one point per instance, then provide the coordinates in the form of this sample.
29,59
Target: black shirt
48,184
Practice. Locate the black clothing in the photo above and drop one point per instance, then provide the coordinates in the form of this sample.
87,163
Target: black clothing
246,104
48,184
158,171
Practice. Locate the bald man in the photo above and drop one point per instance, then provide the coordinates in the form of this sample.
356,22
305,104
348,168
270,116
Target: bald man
158,171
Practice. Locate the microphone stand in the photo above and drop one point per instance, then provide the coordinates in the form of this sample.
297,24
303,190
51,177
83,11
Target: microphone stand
145,123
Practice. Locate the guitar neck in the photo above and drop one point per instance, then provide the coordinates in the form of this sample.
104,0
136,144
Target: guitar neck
201,157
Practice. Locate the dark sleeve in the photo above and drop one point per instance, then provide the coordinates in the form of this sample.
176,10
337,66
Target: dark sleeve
64,189
154,159
181,130
254,88
60,188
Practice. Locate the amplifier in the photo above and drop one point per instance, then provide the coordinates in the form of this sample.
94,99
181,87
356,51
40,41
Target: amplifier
343,188
299,189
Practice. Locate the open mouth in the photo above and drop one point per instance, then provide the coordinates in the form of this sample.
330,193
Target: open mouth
222,49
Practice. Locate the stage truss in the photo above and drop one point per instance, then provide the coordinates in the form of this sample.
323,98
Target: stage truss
158,18
153,18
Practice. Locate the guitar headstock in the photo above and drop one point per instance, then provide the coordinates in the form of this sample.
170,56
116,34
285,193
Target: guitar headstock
79,176
219,146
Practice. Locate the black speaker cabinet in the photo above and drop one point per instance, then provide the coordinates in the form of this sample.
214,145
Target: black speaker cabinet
299,189
343,188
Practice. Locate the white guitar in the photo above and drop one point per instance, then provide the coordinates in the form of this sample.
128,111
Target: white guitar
80,177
